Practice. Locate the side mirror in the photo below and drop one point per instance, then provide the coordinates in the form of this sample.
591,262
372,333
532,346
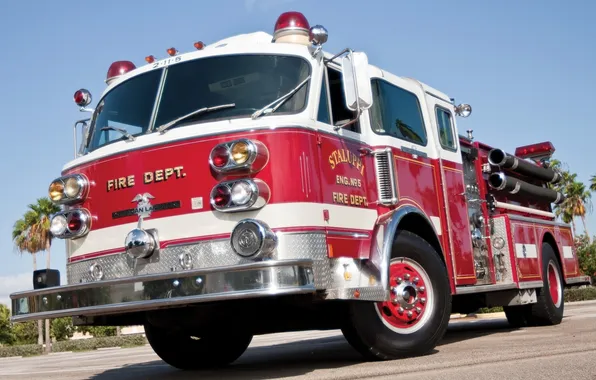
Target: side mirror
357,87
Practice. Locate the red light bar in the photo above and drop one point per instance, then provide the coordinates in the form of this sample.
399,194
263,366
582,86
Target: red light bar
539,150
119,68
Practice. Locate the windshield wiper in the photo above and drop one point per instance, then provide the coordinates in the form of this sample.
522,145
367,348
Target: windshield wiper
280,101
165,126
123,131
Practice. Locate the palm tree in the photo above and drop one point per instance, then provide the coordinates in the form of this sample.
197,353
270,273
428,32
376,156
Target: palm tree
593,183
35,236
578,201
23,243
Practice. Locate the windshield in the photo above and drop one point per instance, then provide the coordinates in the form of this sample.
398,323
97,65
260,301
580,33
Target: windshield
248,81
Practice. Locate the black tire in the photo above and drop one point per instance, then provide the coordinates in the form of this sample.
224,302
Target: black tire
546,311
517,315
368,332
183,351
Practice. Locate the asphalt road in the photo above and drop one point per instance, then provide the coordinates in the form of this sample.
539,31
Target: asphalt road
472,349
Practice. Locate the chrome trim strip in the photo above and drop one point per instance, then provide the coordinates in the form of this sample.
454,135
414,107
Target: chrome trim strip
579,280
509,206
531,284
483,288
140,293
355,235
537,221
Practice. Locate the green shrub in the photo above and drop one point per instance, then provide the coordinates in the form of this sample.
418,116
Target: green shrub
62,328
97,331
104,342
25,332
76,345
7,336
580,294
22,350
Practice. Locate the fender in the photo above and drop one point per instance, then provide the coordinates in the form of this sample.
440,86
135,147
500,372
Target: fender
385,231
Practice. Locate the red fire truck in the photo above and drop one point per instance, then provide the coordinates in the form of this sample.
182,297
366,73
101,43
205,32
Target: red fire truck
260,184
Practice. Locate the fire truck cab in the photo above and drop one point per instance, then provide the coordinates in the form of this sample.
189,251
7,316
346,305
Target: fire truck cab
260,184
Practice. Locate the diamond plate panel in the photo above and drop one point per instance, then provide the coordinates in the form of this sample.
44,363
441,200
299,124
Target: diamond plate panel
499,229
208,254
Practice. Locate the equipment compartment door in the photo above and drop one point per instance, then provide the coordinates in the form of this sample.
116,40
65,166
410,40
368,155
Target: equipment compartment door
454,193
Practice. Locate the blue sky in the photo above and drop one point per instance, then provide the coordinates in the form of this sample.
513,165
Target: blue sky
526,67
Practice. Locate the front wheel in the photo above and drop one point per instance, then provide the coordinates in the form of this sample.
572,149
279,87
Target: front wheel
185,351
416,317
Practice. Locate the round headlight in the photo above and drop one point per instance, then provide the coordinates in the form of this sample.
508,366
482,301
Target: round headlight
241,193
72,187
58,225
56,191
240,152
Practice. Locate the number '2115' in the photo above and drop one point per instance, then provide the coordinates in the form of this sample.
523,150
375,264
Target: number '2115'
166,62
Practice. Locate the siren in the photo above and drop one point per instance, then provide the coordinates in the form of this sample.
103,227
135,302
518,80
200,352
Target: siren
292,27
119,68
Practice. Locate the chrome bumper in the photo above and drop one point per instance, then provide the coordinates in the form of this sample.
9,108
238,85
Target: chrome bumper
149,292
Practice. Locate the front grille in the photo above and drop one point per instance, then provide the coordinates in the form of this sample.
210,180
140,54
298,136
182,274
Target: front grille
385,172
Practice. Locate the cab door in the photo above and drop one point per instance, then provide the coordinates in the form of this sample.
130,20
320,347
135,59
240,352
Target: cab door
346,173
454,193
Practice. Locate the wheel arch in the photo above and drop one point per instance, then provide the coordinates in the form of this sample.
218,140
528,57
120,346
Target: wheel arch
549,239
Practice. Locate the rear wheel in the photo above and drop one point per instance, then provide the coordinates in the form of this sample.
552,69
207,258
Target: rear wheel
416,318
550,306
185,351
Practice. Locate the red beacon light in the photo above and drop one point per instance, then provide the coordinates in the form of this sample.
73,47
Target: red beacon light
172,51
199,45
82,97
119,68
536,151
292,27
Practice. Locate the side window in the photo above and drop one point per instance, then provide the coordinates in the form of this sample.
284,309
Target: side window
323,115
445,129
396,112
339,112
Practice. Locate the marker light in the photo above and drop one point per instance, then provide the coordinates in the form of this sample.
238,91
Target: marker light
292,27
150,59
70,224
119,68
219,156
199,45
243,155
240,195
82,97
539,150
172,51
69,189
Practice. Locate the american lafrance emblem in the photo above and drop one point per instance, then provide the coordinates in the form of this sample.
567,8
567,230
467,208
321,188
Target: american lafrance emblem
144,206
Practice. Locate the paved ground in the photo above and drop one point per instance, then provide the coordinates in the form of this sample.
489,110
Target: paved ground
479,349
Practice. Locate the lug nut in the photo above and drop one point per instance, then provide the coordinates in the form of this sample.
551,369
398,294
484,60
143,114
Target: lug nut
401,310
398,280
423,300
410,315
407,276
418,310
421,289
416,279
